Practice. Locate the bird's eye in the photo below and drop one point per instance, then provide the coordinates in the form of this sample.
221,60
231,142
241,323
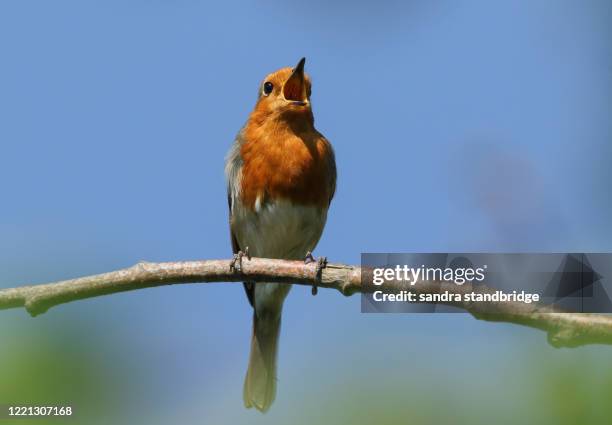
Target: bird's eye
267,88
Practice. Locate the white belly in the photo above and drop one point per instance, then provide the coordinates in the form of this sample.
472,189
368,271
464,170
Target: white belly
277,230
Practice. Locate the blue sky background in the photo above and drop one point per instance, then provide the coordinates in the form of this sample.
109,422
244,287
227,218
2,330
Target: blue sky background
458,126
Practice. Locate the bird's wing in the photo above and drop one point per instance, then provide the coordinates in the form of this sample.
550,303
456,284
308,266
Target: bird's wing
235,246
332,175
233,171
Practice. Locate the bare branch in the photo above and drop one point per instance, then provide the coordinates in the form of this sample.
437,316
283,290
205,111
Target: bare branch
563,329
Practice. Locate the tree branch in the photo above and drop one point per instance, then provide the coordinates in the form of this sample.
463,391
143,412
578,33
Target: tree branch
563,329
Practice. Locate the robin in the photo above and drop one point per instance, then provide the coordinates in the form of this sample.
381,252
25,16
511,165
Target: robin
281,177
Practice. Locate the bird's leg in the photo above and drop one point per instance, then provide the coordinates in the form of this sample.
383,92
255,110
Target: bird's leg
321,264
309,258
236,263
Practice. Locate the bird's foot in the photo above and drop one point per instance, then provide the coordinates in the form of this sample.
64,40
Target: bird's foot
309,258
236,263
321,264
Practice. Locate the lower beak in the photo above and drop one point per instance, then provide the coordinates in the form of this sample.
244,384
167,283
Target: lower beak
295,86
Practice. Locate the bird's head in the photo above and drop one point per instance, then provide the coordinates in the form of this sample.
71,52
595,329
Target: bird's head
285,92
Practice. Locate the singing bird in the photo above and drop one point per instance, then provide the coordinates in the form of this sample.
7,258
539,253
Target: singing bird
281,177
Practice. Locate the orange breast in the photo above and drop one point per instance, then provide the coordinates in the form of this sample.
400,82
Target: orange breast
279,163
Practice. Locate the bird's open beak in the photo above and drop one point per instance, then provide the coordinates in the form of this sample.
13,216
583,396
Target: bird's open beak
294,89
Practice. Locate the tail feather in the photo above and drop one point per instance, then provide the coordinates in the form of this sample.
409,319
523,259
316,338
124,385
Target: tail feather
260,382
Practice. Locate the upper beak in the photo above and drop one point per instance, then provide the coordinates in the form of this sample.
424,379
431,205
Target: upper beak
295,86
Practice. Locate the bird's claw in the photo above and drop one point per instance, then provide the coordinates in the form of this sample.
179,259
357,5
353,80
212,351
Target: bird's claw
236,263
309,258
321,264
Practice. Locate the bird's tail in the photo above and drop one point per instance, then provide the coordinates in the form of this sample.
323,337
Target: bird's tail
260,382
